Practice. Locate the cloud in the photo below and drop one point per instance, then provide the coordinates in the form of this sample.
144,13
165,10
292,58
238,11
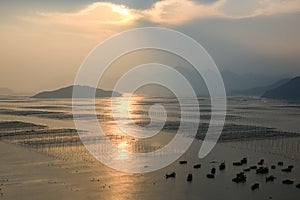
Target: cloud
253,8
94,19
181,11
104,16
38,46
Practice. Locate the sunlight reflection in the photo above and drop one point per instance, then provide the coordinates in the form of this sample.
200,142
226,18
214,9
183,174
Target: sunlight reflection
122,151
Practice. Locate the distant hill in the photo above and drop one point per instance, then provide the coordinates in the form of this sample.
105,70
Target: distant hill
234,83
287,91
5,91
259,91
68,91
239,82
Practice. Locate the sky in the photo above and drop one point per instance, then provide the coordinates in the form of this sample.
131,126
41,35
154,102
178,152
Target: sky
43,43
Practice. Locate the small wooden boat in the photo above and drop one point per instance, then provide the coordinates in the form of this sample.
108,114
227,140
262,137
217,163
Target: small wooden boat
189,177
210,176
288,182
197,166
255,186
172,175
222,166
270,178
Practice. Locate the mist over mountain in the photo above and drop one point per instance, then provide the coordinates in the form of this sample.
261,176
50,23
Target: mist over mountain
288,91
236,84
258,91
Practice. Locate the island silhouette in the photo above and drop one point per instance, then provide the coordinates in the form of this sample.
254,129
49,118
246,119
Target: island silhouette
84,92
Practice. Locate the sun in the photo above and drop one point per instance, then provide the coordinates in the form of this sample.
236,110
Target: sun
121,10
125,14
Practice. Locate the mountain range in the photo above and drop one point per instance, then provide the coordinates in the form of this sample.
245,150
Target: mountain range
287,91
242,82
235,84
258,91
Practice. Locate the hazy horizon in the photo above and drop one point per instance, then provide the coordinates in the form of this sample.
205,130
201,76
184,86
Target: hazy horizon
269,80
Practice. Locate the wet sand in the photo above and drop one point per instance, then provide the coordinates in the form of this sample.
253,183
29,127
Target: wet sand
27,174
51,163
